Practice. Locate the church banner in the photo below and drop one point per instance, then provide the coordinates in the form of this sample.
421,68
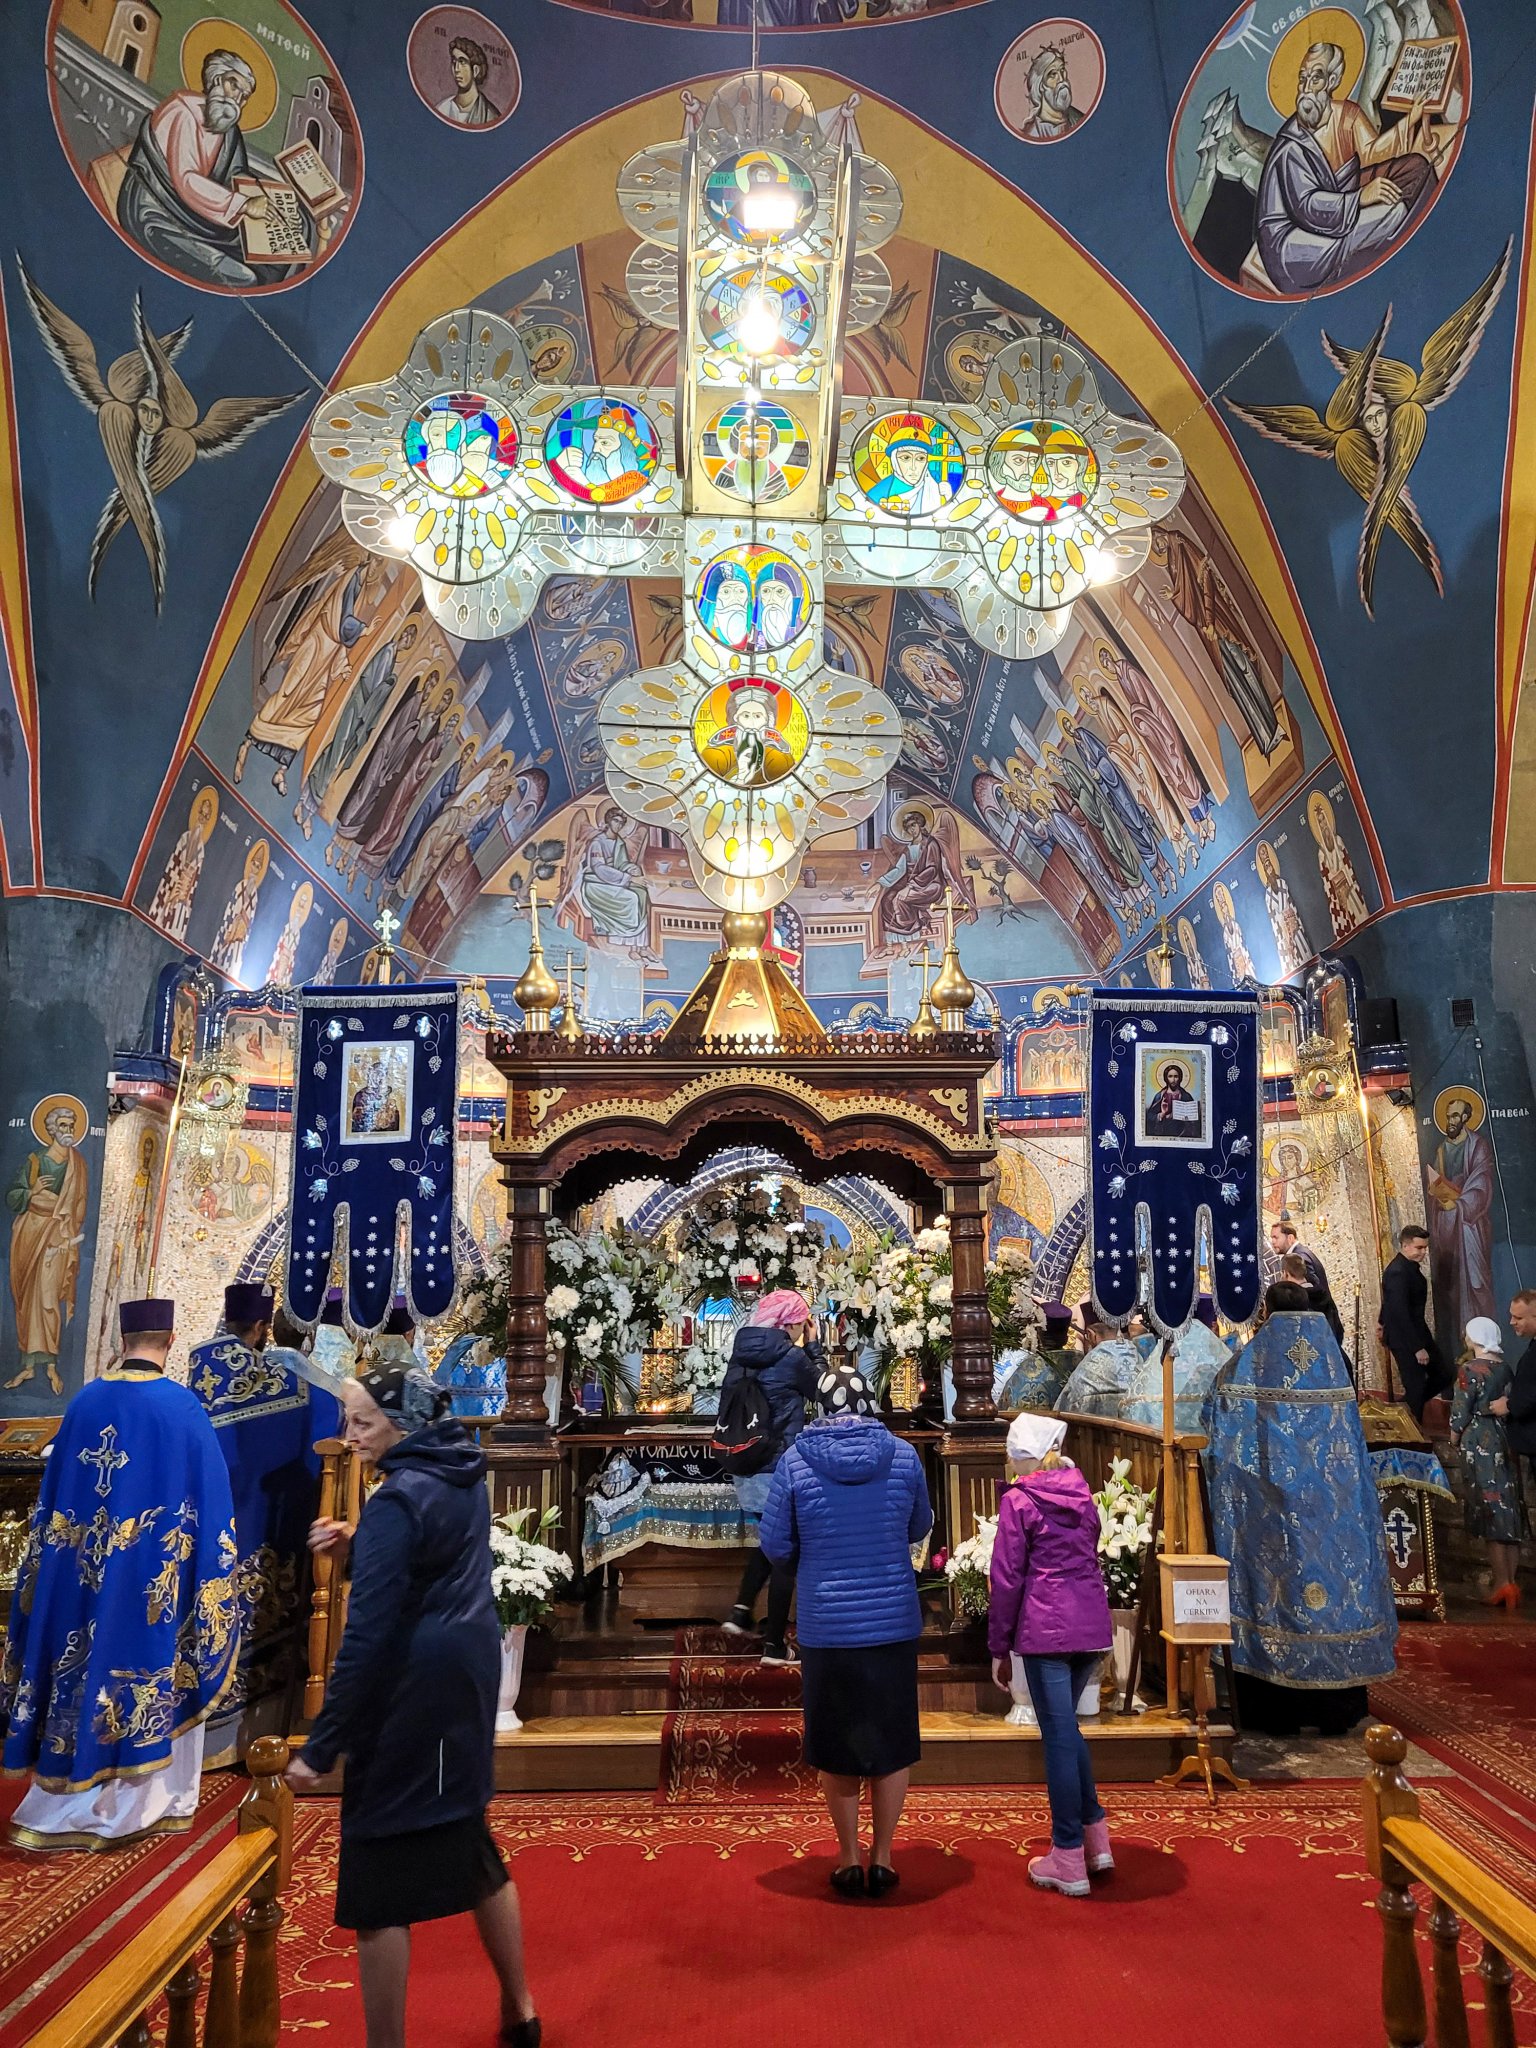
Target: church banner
1174,1108
373,1129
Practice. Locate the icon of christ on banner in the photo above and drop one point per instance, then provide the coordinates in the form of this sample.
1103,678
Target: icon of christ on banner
1175,1094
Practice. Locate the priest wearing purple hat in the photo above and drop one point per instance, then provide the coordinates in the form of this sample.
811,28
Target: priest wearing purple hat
125,1620
268,1414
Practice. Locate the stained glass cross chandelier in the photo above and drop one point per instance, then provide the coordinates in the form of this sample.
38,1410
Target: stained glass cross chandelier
755,480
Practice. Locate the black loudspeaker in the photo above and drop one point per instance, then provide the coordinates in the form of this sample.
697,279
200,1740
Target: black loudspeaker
1463,1013
1378,1022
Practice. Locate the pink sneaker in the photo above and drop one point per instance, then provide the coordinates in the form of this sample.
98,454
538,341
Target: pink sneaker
1096,1850
1064,1870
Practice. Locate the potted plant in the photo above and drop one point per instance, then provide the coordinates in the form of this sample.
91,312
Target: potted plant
526,1575
968,1569
1125,1536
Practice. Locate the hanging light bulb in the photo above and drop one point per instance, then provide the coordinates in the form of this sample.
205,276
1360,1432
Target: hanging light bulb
401,530
758,327
1099,565
769,211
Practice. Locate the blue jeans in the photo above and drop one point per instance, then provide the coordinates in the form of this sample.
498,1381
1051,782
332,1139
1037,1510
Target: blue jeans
1054,1684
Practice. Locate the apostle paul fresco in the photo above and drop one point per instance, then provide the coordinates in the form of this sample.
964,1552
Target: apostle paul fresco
1336,194
47,1199
179,198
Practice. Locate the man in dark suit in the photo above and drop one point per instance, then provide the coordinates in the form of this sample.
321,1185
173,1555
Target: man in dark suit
1285,1244
1517,1409
1404,1293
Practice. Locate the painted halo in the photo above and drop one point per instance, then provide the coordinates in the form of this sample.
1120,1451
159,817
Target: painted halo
908,464
730,299
752,597
758,198
1039,469
461,446
758,452
751,732
602,450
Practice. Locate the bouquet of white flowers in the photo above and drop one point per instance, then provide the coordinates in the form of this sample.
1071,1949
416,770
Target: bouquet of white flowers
914,1289
968,1569
851,1286
1125,1533
1010,1299
526,1575
744,1237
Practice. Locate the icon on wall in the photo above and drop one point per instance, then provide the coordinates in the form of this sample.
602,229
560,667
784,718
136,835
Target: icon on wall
463,68
1050,81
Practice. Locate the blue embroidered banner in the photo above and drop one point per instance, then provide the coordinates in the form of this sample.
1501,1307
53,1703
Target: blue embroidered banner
373,1126
1174,1109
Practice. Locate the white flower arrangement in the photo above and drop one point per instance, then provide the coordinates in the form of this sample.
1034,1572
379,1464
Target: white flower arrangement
526,1575
914,1292
968,1569
1125,1533
744,1236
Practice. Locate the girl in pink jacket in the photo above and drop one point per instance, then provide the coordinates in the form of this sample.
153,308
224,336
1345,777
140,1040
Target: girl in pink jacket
1049,1606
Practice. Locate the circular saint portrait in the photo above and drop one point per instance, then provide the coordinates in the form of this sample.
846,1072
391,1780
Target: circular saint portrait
1302,156
60,1120
759,198
757,315
1040,469
1049,81
932,674
908,464
755,451
1458,1110
227,156
602,450
751,733
461,446
752,596
463,67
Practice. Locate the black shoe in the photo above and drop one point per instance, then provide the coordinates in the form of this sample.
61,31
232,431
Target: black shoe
849,1880
881,1879
779,1653
526,2034
738,1622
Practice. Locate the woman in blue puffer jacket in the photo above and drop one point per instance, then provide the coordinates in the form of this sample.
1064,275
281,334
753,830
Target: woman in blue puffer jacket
848,1502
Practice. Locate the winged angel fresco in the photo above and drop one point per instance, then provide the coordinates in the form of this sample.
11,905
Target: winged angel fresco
151,426
1374,425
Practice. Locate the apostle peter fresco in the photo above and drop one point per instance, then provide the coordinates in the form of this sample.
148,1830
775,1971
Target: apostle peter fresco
178,198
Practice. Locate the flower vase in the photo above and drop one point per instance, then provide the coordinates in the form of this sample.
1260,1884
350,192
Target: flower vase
1117,1666
1021,1714
1090,1699
514,1641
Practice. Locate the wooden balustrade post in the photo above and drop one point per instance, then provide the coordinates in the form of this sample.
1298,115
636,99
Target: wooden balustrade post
529,1209
181,1997
137,2036
221,2020
1450,2000
268,1804
1498,1998
970,1320
1387,1795
333,1453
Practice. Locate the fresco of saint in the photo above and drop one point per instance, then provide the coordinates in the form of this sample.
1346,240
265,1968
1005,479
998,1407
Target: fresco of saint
171,905
47,1198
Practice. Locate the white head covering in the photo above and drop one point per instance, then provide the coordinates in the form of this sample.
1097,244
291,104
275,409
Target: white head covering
1035,1436
1485,1333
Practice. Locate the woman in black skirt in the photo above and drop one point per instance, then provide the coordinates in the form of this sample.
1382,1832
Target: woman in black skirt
411,1703
848,1502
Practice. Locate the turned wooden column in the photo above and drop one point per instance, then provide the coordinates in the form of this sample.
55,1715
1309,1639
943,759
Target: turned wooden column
970,1320
527,1327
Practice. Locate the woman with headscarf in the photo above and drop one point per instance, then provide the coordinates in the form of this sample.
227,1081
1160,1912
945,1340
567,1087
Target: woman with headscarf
1493,1502
411,1701
849,1500
779,1347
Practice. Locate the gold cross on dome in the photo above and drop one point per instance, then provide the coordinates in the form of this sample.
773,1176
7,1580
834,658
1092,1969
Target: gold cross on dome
107,1459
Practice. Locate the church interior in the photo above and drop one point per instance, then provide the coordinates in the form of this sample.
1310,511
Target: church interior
766,1106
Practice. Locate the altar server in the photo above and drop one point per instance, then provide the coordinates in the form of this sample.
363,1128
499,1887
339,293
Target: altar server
1198,1357
269,1408
1295,1508
125,1620
1098,1383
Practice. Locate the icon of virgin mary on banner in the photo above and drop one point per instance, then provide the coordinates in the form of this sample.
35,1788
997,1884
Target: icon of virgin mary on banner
1174,1111
373,1127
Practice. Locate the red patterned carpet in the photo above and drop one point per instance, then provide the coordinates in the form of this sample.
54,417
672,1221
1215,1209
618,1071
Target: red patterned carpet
650,1925
733,1727
1467,1694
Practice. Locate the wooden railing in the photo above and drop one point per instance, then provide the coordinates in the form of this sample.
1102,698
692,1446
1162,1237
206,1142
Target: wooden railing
341,1501
244,2007
1403,1850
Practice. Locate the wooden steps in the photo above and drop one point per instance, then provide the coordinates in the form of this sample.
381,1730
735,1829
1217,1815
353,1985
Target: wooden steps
622,1752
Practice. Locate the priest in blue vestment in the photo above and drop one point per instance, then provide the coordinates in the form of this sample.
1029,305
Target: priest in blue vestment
125,1619
1295,1508
1198,1358
269,1408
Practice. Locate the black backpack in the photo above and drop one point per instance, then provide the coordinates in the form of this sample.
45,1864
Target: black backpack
744,1440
